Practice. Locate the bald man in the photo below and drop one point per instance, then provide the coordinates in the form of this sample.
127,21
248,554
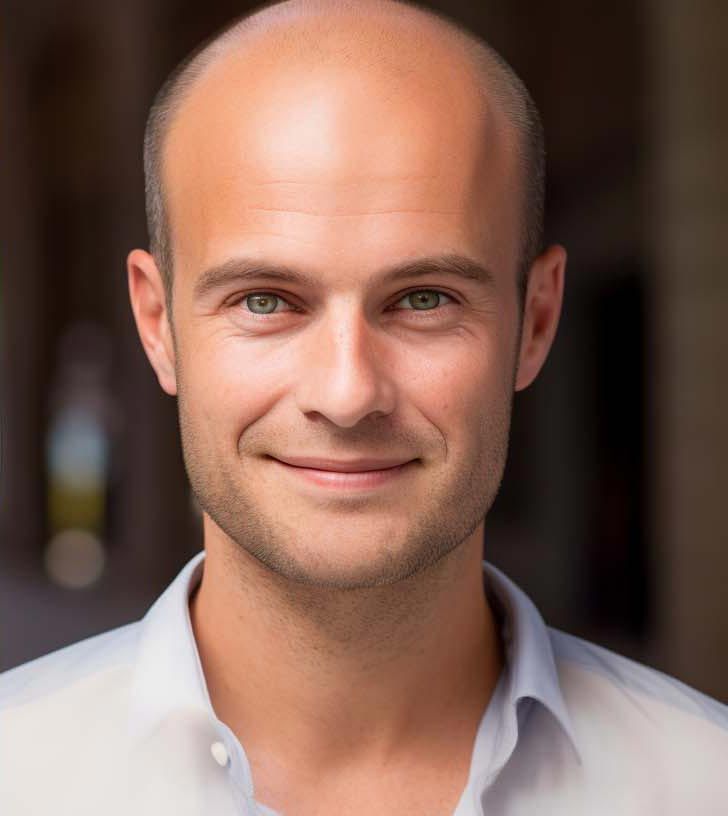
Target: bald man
346,286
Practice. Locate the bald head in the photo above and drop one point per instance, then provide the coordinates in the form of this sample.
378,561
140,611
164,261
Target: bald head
297,38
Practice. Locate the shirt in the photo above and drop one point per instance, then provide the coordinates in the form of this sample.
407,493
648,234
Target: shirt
122,723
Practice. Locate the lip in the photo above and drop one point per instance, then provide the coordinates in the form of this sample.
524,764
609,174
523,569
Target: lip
348,466
353,479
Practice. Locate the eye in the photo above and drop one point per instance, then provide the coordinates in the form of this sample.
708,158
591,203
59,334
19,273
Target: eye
418,300
262,303
424,300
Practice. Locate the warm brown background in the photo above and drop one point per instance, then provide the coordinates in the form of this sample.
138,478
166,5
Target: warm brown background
613,511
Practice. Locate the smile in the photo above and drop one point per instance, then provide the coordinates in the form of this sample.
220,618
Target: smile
340,480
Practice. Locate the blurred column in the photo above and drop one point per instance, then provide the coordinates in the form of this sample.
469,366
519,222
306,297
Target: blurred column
154,534
22,327
688,125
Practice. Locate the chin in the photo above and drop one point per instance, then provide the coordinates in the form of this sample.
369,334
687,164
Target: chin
353,563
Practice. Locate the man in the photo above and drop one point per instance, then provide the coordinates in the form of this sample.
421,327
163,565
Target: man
345,288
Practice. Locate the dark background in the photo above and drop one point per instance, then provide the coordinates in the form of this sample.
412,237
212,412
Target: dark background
612,512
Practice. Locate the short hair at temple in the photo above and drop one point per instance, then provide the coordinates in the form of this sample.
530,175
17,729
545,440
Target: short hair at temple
499,82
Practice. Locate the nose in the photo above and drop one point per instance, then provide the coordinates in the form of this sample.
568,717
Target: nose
344,371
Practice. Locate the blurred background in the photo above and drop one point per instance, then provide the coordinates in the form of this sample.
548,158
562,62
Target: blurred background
612,515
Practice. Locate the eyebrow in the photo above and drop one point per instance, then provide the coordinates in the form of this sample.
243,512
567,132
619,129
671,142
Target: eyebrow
236,270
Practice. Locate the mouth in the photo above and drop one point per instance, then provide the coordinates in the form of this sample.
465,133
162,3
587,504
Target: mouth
350,479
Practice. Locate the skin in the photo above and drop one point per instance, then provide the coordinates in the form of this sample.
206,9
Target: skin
346,640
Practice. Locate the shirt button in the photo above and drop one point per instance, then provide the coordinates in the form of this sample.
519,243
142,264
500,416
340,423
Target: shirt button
220,753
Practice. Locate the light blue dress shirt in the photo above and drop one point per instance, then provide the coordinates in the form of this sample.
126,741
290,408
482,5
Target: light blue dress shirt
122,723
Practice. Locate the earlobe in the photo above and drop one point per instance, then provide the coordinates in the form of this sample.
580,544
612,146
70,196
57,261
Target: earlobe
541,313
147,296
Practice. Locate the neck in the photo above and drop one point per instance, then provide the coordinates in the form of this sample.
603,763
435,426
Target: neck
323,677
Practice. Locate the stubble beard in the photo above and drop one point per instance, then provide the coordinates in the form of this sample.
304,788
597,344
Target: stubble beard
446,515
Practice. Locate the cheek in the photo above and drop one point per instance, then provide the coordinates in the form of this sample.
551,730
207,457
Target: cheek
230,385
454,386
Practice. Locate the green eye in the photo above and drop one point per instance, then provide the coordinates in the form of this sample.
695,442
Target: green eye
424,300
419,300
262,303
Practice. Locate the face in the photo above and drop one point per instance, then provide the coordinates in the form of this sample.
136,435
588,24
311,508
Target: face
346,178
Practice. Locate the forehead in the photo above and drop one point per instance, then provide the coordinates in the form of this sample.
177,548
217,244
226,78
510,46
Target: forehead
301,154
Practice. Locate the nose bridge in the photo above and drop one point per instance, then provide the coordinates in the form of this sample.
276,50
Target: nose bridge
343,374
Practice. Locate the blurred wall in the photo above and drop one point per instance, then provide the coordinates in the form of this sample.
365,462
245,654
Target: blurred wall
610,514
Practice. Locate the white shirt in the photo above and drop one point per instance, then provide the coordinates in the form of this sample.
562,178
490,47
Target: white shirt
121,723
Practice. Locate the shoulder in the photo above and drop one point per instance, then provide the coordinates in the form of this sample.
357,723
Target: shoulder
588,670
81,663
635,719
56,712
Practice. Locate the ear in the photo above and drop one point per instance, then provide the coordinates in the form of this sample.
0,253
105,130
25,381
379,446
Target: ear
146,292
541,313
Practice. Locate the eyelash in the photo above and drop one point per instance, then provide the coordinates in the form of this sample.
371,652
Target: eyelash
423,312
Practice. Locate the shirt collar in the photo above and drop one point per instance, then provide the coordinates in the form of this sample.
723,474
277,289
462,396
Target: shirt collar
532,672
168,675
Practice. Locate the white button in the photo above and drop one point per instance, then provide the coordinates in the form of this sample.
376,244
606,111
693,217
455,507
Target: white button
219,752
